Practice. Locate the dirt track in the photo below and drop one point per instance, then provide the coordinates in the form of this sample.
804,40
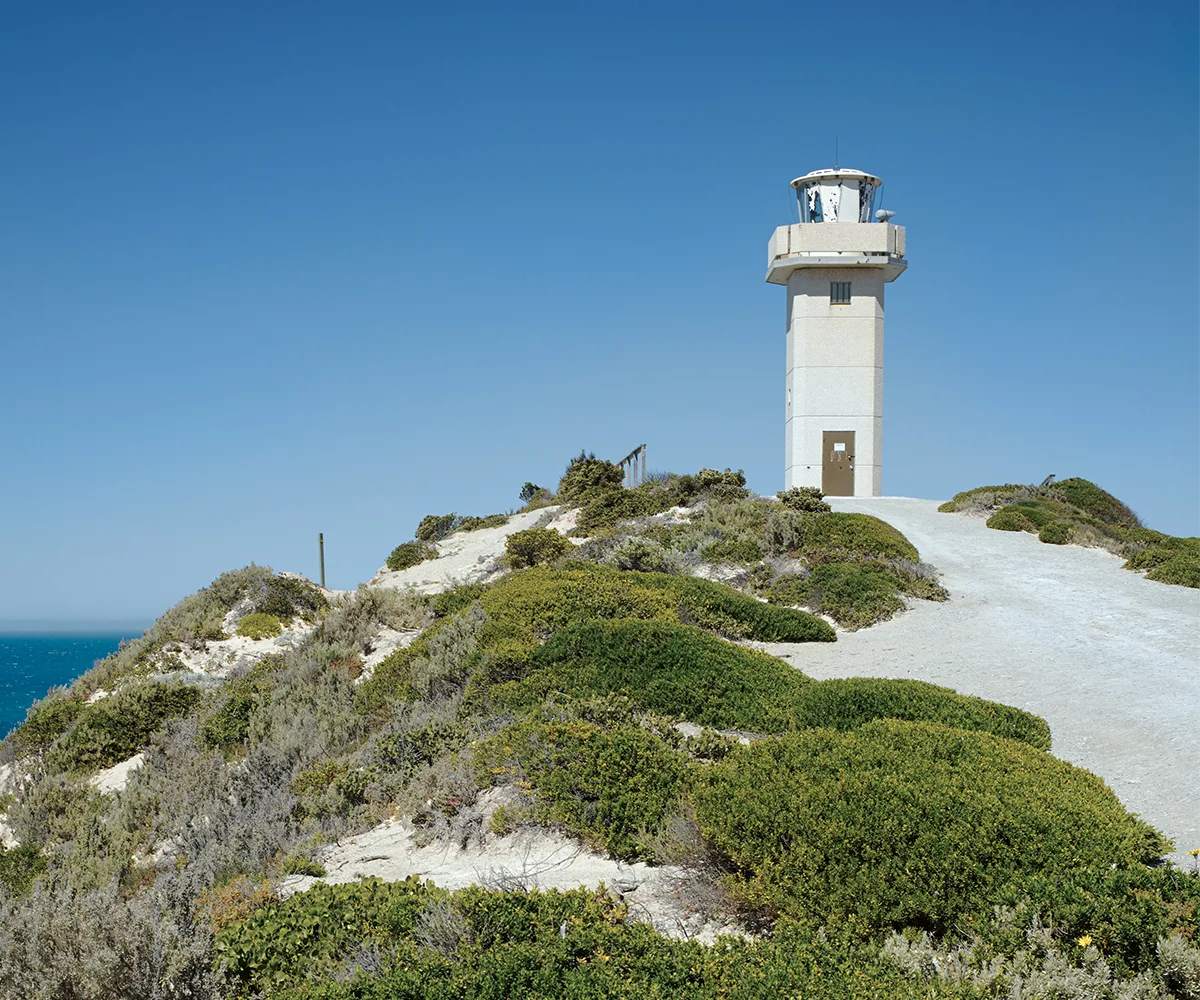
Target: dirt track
1109,659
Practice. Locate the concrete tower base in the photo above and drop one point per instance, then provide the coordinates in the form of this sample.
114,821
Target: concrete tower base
834,377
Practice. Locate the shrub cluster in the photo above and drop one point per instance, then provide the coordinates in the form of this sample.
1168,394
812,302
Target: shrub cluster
435,527
606,784
907,824
852,594
259,625
587,477
409,941
596,487
1080,512
679,670
806,499
534,546
115,728
664,668
409,554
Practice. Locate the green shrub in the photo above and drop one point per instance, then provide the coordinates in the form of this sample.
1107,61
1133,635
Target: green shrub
286,597
227,728
990,497
1181,570
1097,503
906,824
723,610
408,554
522,610
852,594
307,934
259,626
607,508
1169,559
19,866
720,487
456,599
806,499
1055,533
668,669
642,555
299,864
115,728
435,527
743,551
578,944
587,476
405,752
46,721
605,784
851,702
833,537
488,521
1010,519
535,546
1039,513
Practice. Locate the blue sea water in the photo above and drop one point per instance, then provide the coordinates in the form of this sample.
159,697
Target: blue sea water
32,664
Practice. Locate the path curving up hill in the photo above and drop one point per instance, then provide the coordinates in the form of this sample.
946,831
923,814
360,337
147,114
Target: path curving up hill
1109,659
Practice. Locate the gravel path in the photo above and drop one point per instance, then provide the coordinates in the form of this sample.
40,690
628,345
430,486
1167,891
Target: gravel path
1110,660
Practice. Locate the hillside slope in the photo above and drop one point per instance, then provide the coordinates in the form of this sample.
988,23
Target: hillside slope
1108,658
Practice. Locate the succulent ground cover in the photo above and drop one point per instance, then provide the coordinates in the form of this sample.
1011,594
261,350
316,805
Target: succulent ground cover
874,838
1078,512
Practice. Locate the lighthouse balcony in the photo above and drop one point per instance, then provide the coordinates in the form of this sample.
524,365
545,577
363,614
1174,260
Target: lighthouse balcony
843,244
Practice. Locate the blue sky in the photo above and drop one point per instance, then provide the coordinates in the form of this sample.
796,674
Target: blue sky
274,269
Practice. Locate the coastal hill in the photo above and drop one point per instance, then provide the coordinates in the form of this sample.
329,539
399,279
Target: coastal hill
673,740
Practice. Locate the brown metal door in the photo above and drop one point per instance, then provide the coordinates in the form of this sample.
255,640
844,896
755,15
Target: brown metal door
837,464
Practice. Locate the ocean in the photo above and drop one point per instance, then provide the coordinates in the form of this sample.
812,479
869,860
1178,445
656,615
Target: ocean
32,664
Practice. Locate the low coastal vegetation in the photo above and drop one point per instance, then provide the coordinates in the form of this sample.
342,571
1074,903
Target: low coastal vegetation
1078,512
867,838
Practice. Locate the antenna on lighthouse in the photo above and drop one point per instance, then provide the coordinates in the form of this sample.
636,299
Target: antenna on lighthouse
836,158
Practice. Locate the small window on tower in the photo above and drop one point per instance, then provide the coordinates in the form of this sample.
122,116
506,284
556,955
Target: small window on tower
839,293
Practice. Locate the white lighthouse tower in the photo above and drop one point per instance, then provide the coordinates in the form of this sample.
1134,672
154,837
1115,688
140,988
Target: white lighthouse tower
835,265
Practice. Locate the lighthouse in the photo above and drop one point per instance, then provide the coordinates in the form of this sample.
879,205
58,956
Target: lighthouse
835,263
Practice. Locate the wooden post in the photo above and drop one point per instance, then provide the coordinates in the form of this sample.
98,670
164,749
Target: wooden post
643,463
321,550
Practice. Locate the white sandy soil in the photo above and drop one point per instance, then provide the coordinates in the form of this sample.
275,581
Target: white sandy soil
115,778
1109,659
530,858
471,556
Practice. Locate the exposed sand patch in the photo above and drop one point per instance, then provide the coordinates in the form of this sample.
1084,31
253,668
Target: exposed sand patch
115,778
221,657
471,556
527,859
386,642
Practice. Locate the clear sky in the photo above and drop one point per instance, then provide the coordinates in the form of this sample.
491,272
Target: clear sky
272,269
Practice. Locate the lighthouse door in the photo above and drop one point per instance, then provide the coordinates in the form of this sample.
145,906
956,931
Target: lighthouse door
837,464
